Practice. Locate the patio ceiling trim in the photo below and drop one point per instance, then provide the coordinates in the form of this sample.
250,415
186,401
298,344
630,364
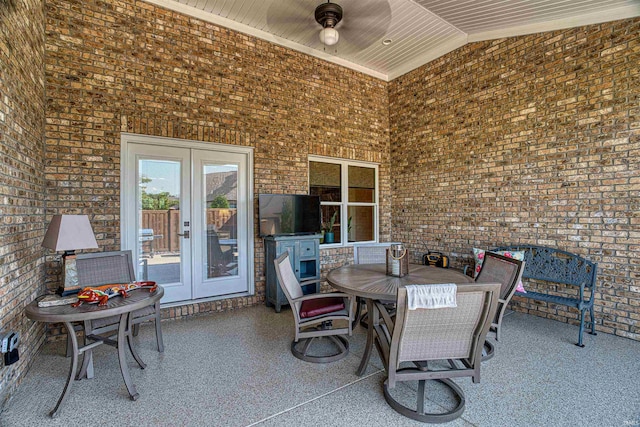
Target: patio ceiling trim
428,56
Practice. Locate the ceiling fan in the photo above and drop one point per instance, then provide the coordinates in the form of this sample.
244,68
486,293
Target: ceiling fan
350,25
329,15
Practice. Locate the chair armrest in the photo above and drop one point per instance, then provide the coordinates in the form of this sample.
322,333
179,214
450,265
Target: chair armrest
469,270
592,293
318,296
309,281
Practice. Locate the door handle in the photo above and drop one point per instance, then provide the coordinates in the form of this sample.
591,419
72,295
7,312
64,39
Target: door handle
185,234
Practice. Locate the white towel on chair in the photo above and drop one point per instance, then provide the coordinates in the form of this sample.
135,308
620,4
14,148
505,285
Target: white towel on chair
431,296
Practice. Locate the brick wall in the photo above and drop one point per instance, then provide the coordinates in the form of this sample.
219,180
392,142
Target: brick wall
129,66
533,139
21,177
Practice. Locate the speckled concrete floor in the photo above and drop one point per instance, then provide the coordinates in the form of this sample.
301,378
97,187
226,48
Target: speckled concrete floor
235,369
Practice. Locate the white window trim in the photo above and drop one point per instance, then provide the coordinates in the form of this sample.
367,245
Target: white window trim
344,197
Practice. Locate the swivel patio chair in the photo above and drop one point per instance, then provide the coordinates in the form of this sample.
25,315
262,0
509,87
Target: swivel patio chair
508,272
423,338
103,268
369,253
314,316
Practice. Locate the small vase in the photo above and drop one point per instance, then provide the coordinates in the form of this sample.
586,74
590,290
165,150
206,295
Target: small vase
328,237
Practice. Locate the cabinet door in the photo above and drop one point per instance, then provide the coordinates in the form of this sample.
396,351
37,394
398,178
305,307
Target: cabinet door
293,259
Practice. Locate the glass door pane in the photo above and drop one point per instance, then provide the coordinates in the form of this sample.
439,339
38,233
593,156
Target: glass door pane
159,219
220,218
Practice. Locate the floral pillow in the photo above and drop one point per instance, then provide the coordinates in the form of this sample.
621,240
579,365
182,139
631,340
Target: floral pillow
478,256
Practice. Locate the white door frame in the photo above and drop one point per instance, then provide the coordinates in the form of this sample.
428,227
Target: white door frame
126,206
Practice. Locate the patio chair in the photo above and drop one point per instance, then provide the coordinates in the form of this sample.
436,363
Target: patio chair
102,268
314,315
369,253
425,335
219,262
507,272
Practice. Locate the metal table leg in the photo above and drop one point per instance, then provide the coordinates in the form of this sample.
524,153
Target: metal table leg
72,369
86,370
122,336
132,349
374,321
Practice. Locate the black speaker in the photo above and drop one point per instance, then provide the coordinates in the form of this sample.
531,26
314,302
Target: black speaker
11,357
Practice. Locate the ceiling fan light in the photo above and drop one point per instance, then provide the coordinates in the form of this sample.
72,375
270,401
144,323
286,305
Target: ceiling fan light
329,36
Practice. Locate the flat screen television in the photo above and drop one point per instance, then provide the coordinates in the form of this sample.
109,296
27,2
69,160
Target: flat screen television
288,214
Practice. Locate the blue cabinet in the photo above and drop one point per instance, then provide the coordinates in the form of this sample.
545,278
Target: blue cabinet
304,254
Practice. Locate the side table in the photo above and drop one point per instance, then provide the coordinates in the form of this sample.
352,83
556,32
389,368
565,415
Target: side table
117,305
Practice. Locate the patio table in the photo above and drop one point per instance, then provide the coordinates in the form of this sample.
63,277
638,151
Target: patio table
117,305
370,281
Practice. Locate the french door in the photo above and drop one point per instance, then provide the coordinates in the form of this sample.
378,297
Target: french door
187,216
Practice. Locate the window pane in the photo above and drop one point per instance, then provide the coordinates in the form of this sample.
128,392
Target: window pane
324,181
361,223
362,184
331,224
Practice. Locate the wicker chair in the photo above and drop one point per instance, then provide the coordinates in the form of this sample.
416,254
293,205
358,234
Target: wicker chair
423,336
508,272
102,268
369,253
314,315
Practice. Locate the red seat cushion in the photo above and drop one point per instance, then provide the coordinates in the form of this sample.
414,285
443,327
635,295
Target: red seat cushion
317,307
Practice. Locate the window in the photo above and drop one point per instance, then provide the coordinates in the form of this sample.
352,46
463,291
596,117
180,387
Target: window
348,195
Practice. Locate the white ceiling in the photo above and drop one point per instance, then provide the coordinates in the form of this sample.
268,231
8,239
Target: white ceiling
420,30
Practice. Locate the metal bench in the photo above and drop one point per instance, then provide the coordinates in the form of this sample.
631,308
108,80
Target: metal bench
554,265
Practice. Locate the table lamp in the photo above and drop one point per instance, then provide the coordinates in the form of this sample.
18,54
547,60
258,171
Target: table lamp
69,233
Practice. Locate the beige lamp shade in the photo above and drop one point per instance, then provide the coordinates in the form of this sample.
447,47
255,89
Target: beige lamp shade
69,233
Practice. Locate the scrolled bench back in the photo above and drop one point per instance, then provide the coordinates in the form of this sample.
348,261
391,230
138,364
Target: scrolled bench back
554,265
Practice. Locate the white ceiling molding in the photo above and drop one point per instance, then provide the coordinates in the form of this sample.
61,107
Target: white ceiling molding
426,57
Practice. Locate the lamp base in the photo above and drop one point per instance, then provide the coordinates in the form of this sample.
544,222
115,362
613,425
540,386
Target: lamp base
65,293
70,283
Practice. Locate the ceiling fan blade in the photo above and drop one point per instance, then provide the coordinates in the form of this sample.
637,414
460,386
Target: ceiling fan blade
291,19
366,23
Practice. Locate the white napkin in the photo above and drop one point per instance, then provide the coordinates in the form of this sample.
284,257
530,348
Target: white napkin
431,296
